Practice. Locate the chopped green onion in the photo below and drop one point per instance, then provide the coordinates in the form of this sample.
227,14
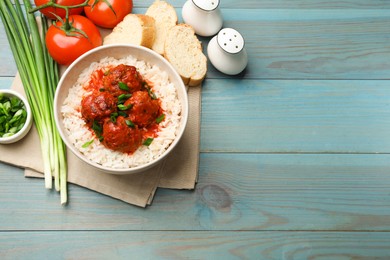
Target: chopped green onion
13,115
148,141
97,128
16,103
123,86
129,123
6,107
113,117
151,94
121,113
123,107
39,75
8,134
160,118
122,98
13,129
87,144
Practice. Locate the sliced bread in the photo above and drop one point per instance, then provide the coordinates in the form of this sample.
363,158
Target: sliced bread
135,29
184,51
165,17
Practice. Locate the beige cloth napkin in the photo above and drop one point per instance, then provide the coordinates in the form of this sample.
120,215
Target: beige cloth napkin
178,171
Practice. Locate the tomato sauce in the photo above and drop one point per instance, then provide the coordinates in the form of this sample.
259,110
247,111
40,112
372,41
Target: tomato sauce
121,108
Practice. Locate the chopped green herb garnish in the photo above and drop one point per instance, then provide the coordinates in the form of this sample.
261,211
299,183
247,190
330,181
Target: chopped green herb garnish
123,86
145,85
96,126
13,115
113,117
87,143
151,94
102,89
122,98
16,103
160,118
98,129
121,113
123,107
130,123
148,141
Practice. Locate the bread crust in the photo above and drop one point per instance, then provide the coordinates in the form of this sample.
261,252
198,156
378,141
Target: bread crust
149,30
165,17
122,32
172,52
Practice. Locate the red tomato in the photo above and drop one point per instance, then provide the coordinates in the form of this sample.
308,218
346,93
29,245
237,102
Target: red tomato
64,48
48,11
99,12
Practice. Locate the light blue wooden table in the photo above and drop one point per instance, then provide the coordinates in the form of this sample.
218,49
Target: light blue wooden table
294,162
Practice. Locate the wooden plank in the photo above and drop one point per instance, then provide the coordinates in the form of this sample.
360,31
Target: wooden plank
7,64
235,192
313,44
194,245
5,82
305,116
301,44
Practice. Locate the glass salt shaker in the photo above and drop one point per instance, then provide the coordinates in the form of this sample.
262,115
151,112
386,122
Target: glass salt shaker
226,51
203,15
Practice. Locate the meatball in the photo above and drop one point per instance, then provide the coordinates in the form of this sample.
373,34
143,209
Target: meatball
123,74
97,106
119,136
144,109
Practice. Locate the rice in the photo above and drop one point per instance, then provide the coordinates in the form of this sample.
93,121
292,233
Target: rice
79,133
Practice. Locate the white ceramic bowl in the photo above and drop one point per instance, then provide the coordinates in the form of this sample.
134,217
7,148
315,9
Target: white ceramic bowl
29,120
119,51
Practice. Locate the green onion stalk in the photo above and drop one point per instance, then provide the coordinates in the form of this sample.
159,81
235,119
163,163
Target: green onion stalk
39,75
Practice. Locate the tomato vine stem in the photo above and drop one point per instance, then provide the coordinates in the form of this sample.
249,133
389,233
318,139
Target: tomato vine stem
67,26
52,3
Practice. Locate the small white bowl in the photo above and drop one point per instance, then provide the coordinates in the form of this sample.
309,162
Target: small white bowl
29,120
118,51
